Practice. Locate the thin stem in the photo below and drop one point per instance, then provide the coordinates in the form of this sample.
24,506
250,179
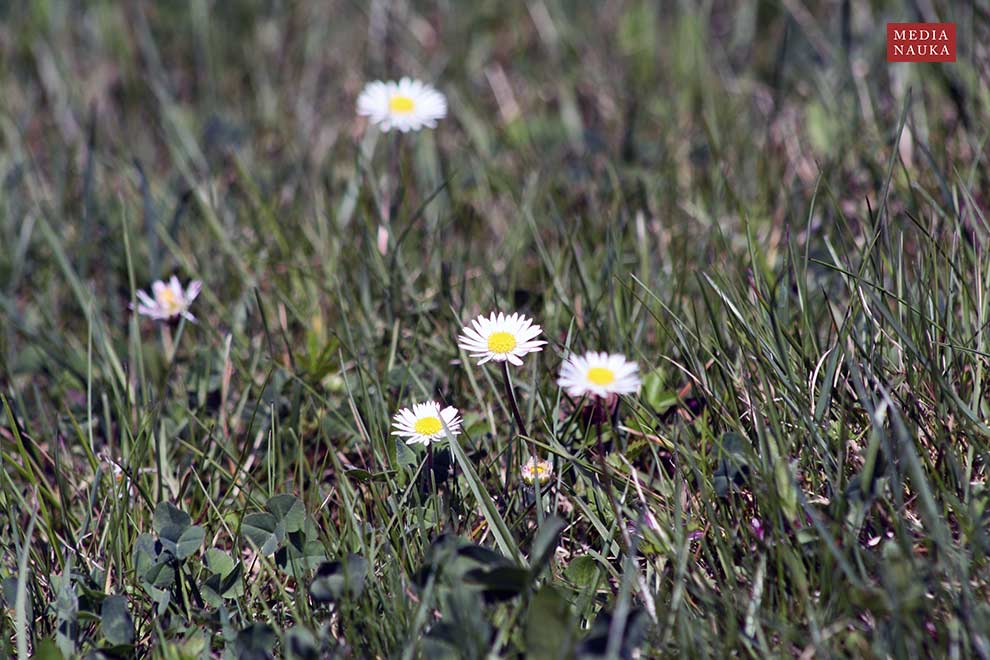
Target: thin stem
167,344
607,482
521,427
431,483
510,395
394,185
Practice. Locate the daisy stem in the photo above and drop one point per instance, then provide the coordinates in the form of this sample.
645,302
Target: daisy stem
607,482
167,343
394,186
430,480
510,395
520,424
172,346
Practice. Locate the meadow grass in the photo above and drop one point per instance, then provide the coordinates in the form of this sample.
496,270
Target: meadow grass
787,233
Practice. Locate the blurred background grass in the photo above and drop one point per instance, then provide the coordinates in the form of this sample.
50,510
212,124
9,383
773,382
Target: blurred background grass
744,197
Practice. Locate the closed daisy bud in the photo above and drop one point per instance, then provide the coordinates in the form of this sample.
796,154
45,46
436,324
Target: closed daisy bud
536,469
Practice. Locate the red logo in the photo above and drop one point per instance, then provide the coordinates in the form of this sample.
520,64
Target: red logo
921,42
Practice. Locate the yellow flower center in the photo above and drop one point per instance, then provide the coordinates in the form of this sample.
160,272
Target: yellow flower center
401,104
601,376
539,470
501,342
168,301
428,425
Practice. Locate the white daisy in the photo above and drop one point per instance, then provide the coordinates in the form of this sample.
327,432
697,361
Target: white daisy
405,105
536,469
170,300
501,338
599,374
424,423
115,468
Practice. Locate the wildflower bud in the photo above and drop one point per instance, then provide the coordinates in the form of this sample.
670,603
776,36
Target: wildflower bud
536,469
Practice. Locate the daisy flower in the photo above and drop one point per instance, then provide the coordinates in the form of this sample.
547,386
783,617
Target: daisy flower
170,300
407,105
536,469
501,338
115,468
424,422
599,374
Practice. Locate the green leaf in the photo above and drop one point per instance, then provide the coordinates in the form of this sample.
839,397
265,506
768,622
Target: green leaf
363,476
436,646
582,570
500,582
300,554
653,392
161,574
464,622
67,609
595,643
168,516
301,644
187,543
405,456
145,554
232,586
161,597
219,561
545,543
289,510
336,578
264,531
175,532
116,622
785,488
733,464
255,641
637,39
194,646
549,626
10,596
46,649
481,554
225,580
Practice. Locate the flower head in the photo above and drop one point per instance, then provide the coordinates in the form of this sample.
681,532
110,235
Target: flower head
405,105
536,469
599,374
114,468
424,422
501,338
170,300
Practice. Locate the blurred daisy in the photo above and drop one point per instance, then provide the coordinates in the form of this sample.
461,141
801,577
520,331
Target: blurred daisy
536,469
407,105
501,338
170,300
116,470
423,423
599,374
